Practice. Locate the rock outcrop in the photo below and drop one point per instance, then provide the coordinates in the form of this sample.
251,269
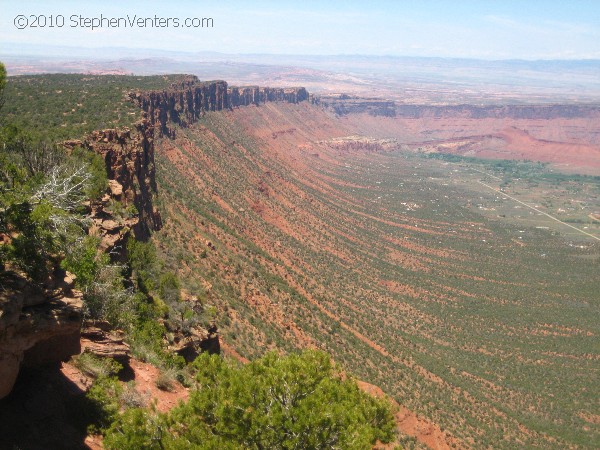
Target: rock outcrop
114,229
342,105
189,345
129,157
185,102
100,339
181,105
37,326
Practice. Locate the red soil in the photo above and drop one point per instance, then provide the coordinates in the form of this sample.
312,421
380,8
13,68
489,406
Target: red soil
410,424
145,383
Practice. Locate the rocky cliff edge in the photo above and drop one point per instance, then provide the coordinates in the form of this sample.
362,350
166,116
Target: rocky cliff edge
37,326
186,102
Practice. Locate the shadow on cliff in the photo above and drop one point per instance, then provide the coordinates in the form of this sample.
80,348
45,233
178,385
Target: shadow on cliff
45,410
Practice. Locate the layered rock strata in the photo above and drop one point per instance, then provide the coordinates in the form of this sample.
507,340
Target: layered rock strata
342,105
186,102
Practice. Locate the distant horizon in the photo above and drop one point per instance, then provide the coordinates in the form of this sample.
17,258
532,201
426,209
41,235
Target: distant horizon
3,53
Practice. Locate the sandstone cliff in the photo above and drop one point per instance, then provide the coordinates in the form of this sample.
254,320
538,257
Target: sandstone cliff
184,103
129,157
254,95
36,326
342,105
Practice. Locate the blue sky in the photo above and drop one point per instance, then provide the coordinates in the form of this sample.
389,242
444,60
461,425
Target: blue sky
502,29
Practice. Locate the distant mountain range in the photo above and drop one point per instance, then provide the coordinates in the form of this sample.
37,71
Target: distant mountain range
413,79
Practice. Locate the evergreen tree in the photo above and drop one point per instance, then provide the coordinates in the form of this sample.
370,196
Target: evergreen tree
294,402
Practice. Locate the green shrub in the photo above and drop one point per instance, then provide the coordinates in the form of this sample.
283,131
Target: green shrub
143,263
32,248
169,288
83,260
298,401
166,380
131,398
42,191
141,428
104,398
96,168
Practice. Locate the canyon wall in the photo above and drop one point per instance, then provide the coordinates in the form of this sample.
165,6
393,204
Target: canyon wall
129,157
185,102
342,105
254,95
129,152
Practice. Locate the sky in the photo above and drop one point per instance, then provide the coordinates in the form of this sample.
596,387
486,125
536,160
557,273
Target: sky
492,29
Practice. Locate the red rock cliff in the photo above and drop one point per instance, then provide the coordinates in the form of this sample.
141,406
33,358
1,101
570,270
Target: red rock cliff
185,102
254,95
342,105
129,157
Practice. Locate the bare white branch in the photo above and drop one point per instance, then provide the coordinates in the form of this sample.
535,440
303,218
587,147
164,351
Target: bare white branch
65,187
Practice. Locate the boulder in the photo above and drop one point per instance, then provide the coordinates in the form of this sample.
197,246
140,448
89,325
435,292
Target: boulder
116,188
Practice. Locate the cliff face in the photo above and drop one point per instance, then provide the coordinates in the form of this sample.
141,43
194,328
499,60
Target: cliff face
129,157
37,327
129,152
343,105
254,95
184,103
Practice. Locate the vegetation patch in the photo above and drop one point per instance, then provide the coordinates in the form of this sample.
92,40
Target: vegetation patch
278,402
